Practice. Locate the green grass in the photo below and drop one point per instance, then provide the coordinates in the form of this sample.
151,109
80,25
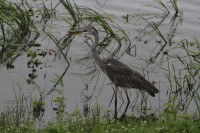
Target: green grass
75,123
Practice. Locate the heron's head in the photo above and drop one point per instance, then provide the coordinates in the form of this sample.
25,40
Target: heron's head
89,30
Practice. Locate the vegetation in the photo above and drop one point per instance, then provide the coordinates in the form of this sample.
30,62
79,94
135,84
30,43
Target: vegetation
16,28
94,123
19,34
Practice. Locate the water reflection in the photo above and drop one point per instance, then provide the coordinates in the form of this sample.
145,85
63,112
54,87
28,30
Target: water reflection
156,34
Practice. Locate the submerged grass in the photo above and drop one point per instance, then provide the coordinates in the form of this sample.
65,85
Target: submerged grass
84,16
16,28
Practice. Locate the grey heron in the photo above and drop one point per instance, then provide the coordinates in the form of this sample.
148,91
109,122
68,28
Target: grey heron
119,73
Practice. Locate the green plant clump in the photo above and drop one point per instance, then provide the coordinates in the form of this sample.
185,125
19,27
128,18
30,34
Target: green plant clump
92,123
16,28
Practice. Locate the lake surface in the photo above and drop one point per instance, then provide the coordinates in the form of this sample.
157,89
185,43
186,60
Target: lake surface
76,87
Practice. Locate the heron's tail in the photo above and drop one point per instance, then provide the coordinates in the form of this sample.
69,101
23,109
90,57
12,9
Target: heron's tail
150,89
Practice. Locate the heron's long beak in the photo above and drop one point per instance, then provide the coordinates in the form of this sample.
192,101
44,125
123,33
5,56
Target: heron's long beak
77,32
74,32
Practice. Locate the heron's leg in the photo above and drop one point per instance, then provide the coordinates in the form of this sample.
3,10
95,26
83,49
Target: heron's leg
128,102
115,91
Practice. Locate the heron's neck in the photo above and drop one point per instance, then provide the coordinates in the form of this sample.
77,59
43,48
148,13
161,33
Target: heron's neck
95,54
96,42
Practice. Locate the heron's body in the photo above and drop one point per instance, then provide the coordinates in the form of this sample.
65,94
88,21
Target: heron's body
123,76
119,73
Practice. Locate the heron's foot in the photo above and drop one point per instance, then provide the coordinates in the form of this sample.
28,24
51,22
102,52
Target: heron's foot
115,117
123,117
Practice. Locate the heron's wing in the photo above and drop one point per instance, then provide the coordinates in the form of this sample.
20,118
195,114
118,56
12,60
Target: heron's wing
124,76
120,68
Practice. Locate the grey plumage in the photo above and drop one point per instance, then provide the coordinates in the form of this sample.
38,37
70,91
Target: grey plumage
125,77
119,73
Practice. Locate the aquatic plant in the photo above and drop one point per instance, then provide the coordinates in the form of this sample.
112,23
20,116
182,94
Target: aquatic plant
17,31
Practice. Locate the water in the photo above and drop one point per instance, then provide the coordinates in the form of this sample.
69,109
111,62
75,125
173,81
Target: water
100,91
